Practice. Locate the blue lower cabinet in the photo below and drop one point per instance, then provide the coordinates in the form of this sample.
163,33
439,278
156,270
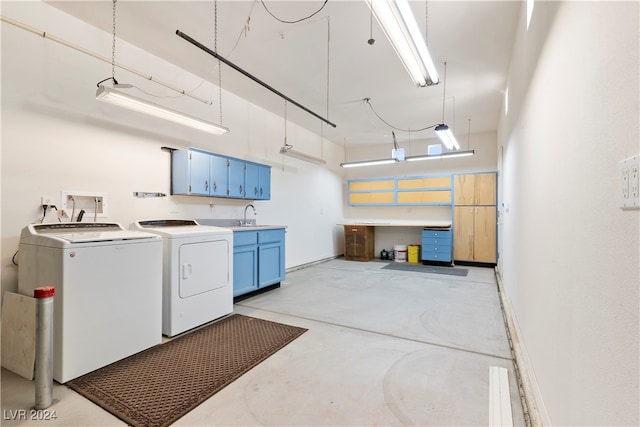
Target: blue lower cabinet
258,260
245,273
437,245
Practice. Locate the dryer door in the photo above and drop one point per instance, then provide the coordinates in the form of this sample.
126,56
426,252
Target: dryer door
204,266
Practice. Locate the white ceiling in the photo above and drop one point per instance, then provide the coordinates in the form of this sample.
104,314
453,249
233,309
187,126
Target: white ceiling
473,37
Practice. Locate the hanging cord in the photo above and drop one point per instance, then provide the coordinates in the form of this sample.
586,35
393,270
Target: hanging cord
328,85
426,23
113,43
453,124
215,48
285,146
285,127
371,40
328,59
368,101
444,89
395,143
245,29
297,20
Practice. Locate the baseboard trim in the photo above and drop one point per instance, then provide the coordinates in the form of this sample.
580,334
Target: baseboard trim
530,396
312,263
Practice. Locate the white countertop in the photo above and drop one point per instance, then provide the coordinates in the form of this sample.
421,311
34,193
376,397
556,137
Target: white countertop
256,227
233,224
400,223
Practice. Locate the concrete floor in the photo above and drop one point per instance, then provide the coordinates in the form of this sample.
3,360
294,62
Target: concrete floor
384,347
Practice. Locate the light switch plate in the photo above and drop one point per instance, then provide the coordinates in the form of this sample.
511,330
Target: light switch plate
630,183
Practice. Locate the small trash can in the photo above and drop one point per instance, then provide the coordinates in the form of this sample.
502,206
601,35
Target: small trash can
413,253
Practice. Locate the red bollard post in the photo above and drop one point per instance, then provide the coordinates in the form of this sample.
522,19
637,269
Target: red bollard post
44,346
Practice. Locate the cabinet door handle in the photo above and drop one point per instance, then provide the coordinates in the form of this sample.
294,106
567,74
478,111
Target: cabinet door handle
240,189
354,229
206,185
255,190
261,191
215,186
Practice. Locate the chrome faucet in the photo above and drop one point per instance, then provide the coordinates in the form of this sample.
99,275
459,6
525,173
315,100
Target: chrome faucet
245,213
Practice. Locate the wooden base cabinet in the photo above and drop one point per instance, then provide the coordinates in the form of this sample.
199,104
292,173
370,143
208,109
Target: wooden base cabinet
474,236
358,242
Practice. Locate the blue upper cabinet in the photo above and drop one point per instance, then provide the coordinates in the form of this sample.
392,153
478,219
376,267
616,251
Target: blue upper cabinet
257,181
264,182
190,173
236,178
201,173
251,181
219,176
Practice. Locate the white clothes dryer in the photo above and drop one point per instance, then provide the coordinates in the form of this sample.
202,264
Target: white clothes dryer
197,272
108,298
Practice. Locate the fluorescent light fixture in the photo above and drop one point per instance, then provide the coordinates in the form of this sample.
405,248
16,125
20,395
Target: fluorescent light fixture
440,156
137,104
446,137
400,27
287,151
368,163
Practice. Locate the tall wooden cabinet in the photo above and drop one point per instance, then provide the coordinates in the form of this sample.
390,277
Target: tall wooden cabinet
359,242
474,218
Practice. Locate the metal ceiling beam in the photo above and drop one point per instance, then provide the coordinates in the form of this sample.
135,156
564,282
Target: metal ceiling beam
251,76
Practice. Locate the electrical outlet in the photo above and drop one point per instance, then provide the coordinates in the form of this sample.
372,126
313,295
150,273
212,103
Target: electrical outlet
634,182
48,201
624,182
630,183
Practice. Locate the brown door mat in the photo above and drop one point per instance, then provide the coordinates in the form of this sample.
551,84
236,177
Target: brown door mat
160,385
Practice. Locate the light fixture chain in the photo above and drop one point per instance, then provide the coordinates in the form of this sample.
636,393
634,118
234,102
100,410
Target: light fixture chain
215,48
113,43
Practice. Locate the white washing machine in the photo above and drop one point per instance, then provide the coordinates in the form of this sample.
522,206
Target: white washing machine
197,273
108,300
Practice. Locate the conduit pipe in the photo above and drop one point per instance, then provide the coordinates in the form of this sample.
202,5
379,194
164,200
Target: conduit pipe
249,75
63,42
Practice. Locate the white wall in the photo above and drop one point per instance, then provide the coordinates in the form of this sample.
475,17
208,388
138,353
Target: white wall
571,257
56,136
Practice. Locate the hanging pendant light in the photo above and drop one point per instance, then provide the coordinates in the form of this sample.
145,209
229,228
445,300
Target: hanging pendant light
134,103
287,149
442,131
131,102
